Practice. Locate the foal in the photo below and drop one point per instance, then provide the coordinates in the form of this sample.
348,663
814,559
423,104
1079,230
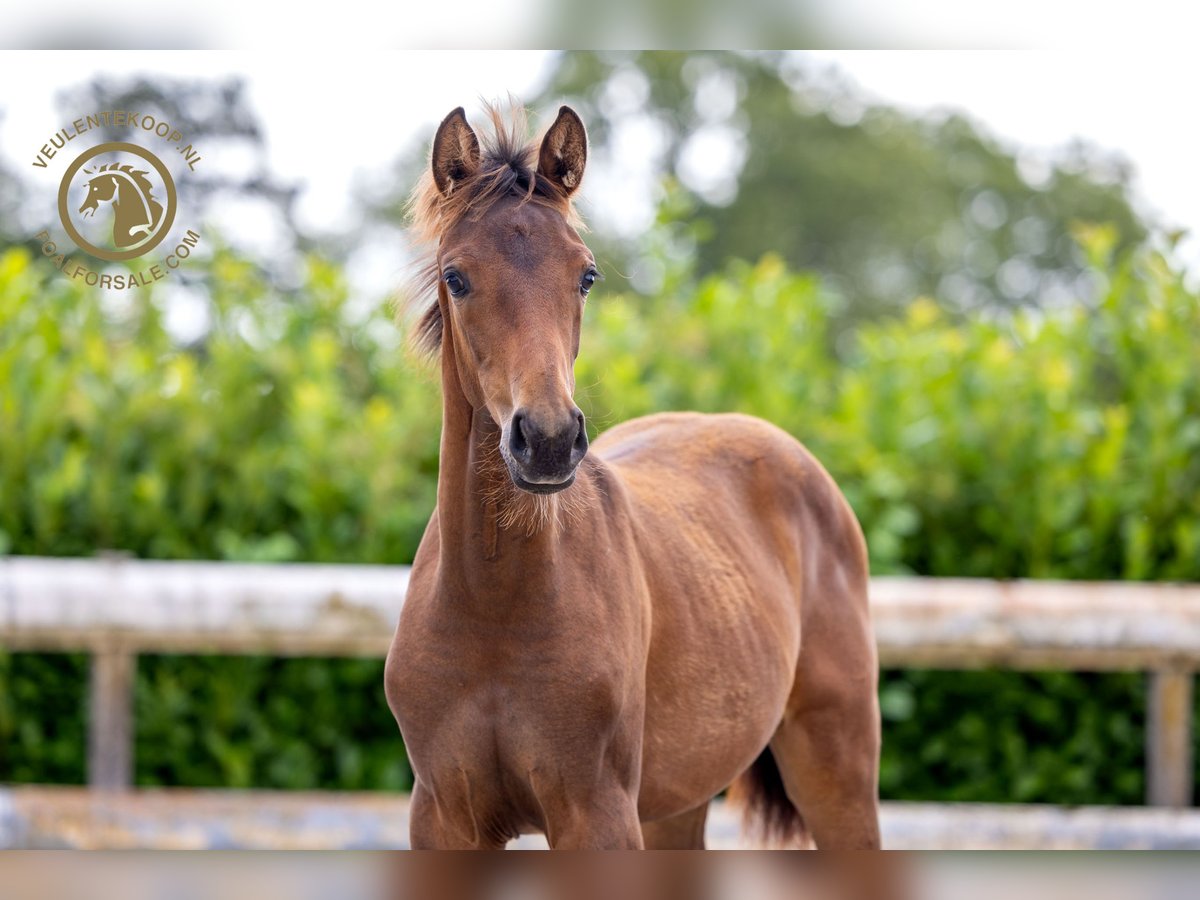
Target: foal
595,644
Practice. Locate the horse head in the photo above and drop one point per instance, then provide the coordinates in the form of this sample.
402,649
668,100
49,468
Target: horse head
131,193
101,188
512,276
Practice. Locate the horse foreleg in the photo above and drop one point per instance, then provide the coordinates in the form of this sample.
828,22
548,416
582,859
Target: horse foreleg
430,828
609,825
596,816
682,832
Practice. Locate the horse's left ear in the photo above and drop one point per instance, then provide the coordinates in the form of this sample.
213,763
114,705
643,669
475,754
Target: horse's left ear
564,151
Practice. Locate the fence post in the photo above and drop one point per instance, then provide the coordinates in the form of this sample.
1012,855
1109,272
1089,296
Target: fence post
1169,739
110,723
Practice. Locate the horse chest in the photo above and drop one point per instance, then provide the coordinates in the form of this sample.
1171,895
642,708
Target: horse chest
485,718
472,690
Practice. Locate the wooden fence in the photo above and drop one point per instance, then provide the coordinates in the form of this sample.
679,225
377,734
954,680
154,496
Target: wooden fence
115,609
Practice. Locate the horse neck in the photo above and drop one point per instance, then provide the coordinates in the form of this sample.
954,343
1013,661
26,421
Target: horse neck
125,202
483,545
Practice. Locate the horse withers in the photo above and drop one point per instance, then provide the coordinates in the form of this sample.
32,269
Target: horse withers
598,641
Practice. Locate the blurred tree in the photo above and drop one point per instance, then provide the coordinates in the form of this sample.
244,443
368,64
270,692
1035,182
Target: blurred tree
12,193
776,155
208,112
217,118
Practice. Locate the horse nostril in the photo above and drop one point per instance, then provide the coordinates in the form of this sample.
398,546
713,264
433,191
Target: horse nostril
518,440
580,447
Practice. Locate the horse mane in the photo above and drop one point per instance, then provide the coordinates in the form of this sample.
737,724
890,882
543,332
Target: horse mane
507,168
138,175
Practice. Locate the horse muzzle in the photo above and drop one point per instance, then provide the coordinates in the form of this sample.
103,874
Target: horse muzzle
542,457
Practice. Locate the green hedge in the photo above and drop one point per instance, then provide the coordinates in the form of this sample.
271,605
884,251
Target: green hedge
1065,444
1053,445
290,434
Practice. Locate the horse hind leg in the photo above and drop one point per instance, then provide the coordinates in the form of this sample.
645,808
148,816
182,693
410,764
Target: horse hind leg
829,773
815,782
826,749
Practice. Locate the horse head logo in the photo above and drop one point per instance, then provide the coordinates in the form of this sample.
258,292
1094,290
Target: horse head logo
140,220
137,212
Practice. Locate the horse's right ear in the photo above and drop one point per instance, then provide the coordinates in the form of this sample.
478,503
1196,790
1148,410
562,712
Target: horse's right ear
455,152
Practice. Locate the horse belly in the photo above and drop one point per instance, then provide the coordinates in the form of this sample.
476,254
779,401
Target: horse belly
717,502
718,681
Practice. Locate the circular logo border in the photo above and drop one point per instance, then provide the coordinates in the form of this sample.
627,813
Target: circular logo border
73,232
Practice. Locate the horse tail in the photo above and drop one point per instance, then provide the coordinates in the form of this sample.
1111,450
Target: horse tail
767,812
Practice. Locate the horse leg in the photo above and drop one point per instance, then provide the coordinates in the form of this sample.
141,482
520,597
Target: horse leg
827,746
428,829
606,827
606,820
682,832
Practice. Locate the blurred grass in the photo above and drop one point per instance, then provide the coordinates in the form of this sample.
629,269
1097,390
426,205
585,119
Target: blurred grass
1059,444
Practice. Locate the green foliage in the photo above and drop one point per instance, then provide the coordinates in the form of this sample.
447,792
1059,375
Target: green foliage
1044,445
1048,737
1060,444
258,721
292,433
43,735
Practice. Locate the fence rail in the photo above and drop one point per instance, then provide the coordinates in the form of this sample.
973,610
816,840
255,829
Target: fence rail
116,609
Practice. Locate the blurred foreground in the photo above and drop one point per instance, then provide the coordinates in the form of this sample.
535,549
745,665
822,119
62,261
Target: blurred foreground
662,876
36,818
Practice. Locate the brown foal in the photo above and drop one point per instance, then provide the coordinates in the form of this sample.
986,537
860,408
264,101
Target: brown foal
596,643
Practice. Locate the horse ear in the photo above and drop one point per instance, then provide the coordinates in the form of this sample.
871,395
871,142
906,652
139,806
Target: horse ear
564,151
455,152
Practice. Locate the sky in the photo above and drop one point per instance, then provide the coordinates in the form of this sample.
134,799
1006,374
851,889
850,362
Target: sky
342,119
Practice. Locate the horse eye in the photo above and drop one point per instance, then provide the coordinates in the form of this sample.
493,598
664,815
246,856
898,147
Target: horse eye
454,283
588,279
